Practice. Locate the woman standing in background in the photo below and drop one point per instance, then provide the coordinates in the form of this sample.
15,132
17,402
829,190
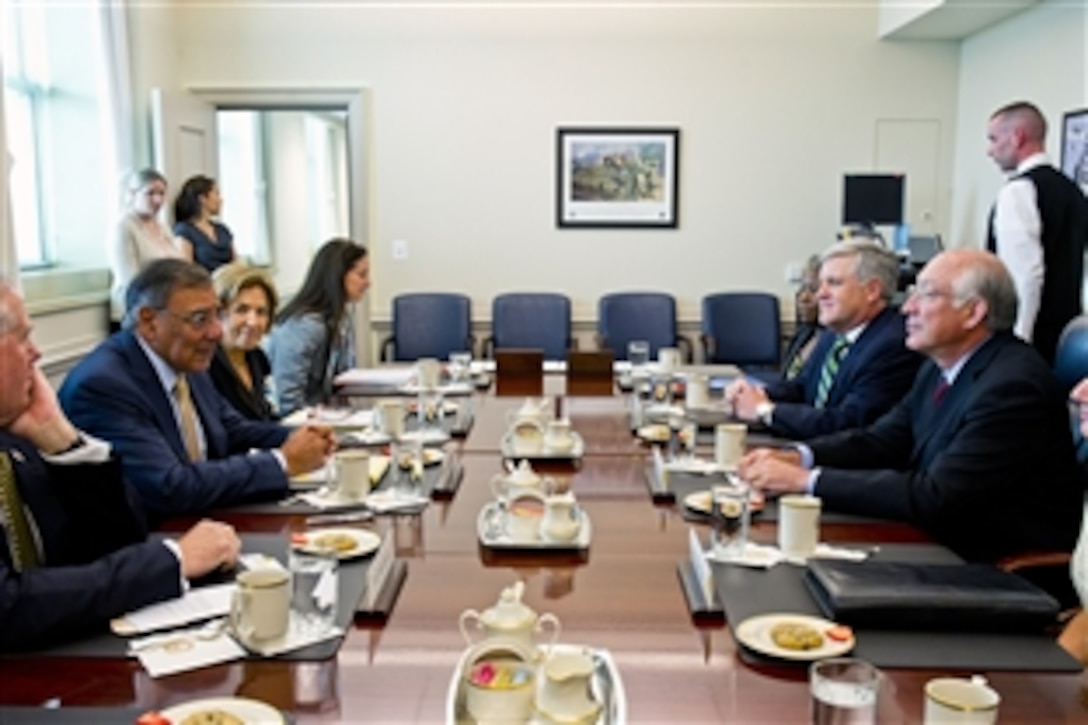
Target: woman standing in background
313,339
140,237
247,300
207,242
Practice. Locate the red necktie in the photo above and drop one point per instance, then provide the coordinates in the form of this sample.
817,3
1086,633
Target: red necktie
940,391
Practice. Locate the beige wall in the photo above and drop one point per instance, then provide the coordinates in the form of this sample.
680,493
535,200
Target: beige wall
774,105
1041,56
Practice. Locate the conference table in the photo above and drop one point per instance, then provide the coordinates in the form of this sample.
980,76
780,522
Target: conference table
624,596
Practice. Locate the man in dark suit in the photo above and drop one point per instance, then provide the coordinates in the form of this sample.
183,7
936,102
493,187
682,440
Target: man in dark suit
859,368
146,390
73,552
978,454
1038,227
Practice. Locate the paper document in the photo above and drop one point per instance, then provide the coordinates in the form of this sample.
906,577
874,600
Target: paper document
194,605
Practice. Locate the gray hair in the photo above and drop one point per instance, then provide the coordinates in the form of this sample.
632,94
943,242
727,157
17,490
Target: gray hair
153,287
990,282
874,261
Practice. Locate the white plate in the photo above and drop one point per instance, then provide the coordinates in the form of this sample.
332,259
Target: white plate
251,712
366,542
755,634
431,457
700,501
655,433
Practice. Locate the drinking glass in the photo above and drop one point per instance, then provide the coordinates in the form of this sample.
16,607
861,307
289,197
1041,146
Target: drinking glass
638,354
407,465
844,691
314,590
429,411
460,366
729,519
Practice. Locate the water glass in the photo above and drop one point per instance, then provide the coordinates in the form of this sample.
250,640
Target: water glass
429,409
844,692
407,465
638,354
314,590
729,515
460,366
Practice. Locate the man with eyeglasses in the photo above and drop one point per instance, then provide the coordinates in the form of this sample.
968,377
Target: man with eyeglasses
146,390
73,546
979,452
859,368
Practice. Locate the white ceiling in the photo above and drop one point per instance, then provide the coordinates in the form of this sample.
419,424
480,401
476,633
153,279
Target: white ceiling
956,19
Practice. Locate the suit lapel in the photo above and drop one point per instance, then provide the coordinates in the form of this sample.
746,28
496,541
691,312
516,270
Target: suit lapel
933,421
856,357
205,398
145,379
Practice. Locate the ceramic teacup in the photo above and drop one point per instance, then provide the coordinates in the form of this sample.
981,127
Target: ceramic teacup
261,605
958,700
798,526
697,391
526,438
429,370
391,417
352,471
524,513
730,442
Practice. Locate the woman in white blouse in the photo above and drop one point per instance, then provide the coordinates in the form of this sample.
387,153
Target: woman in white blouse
140,236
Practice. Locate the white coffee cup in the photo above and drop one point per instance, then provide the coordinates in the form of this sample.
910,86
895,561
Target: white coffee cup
730,442
429,370
352,470
524,513
697,392
798,525
391,417
668,358
259,609
959,700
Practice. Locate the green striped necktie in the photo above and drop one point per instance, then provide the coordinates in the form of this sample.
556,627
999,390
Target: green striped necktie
830,369
24,550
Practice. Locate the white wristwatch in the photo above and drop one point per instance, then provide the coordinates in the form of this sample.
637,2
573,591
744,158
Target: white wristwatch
765,412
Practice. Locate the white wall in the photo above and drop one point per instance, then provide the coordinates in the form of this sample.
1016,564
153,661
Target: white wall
1039,56
774,105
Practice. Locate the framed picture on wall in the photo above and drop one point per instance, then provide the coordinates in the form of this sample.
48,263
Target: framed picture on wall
1075,147
618,177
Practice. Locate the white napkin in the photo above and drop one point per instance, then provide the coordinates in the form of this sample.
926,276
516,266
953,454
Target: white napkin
826,551
335,417
375,376
756,556
385,501
324,499
294,639
195,605
188,649
692,465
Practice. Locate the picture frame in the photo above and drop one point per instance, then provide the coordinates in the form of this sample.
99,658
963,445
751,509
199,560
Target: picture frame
1075,147
612,178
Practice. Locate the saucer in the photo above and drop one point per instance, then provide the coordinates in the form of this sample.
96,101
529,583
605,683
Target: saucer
755,634
243,708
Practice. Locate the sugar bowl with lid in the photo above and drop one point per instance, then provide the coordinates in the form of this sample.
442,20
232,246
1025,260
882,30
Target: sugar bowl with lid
509,621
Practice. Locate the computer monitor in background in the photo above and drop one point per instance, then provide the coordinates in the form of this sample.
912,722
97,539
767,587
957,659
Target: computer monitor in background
871,199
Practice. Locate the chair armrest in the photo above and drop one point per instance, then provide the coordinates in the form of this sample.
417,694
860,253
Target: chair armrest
710,349
389,349
572,343
471,342
487,352
1033,559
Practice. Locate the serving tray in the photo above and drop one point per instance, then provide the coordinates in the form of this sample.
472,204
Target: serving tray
605,684
489,530
575,453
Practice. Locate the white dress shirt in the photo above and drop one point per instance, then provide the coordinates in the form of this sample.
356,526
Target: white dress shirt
1018,236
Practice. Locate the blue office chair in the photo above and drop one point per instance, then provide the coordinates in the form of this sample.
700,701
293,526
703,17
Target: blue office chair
742,328
538,320
650,316
429,324
1071,358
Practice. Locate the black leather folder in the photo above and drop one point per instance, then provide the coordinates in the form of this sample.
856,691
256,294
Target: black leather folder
961,597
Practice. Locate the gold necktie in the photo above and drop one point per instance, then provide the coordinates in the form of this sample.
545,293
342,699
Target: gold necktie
24,550
188,418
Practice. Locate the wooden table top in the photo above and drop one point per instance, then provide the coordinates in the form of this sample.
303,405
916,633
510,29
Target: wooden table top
625,596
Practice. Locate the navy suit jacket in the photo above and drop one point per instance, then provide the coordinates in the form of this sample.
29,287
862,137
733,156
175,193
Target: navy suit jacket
114,394
97,563
990,471
875,374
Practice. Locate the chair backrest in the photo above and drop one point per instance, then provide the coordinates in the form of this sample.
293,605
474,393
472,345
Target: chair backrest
626,316
1071,359
746,327
431,324
532,320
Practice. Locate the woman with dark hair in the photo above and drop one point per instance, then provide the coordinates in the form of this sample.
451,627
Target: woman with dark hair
247,299
140,237
808,326
313,339
206,241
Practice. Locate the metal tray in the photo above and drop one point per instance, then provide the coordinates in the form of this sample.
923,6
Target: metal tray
490,533
575,453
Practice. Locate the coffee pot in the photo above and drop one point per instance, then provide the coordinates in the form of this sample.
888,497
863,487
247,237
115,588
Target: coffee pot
519,479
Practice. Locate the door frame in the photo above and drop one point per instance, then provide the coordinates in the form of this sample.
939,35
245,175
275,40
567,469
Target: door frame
356,102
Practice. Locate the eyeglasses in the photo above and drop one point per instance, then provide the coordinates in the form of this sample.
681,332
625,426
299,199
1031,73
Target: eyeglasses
197,320
927,294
